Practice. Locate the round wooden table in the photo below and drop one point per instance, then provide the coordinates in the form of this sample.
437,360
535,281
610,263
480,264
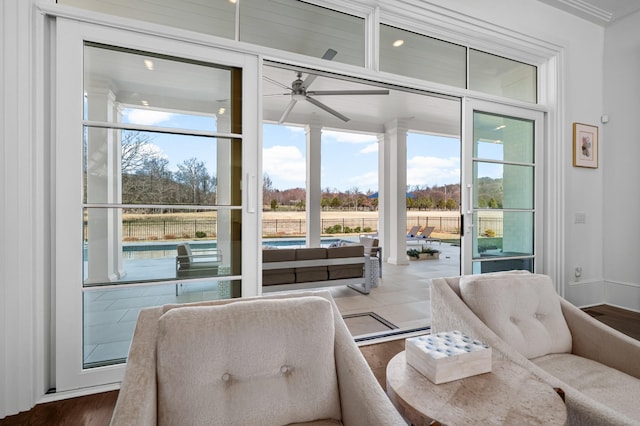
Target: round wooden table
508,395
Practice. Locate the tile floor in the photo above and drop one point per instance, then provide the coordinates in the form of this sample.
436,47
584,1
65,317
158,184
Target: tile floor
402,298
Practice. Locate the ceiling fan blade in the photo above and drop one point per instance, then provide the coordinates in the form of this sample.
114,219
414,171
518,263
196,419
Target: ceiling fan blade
328,55
326,108
277,83
348,92
287,110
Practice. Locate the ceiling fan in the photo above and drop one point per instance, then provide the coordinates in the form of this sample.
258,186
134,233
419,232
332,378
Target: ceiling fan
299,92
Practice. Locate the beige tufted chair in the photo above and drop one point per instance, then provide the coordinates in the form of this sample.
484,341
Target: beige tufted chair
259,361
526,322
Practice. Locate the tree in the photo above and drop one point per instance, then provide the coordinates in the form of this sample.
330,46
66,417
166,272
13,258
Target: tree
193,174
267,187
136,149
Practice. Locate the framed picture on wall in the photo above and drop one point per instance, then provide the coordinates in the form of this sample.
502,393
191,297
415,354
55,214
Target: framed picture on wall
585,145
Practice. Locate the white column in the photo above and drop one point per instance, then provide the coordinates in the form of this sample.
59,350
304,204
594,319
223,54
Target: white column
314,190
104,243
384,171
396,131
223,190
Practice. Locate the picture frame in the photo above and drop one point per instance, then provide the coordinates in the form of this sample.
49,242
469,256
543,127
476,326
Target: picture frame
585,145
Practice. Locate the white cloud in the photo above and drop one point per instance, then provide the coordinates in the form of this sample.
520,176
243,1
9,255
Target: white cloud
363,181
146,117
285,165
295,129
153,150
369,149
423,170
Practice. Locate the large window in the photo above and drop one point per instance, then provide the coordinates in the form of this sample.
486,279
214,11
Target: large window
214,17
414,55
159,200
300,27
308,28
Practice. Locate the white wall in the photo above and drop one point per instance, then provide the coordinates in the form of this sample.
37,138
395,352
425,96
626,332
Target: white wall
24,267
621,201
24,227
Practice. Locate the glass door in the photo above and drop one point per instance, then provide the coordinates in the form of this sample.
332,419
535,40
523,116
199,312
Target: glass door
155,185
502,183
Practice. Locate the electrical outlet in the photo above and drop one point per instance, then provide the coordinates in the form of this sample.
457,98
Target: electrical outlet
578,271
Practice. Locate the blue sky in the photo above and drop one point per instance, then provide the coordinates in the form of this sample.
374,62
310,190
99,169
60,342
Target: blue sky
349,160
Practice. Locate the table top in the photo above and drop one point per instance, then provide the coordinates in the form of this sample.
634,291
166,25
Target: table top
508,395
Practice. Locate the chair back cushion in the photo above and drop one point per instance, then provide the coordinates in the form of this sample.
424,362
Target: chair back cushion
266,362
522,309
369,243
312,273
184,255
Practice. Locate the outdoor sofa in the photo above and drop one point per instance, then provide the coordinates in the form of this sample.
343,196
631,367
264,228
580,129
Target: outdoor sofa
313,267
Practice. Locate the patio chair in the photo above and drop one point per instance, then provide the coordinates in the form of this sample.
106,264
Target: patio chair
425,234
372,249
196,263
413,232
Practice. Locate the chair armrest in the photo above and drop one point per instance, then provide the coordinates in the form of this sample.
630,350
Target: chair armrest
212,257
137,399
362,399
597,341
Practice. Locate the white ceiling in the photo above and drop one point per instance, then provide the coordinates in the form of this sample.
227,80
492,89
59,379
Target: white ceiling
366,113
602,12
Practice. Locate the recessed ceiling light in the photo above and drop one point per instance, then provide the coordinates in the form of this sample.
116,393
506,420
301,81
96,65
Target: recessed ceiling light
233,1
221,110
398,43
149,64
145,103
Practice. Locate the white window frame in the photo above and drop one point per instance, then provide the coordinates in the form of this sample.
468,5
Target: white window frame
470,105
70,38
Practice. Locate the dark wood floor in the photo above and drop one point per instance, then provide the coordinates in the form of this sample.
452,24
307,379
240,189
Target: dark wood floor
95,410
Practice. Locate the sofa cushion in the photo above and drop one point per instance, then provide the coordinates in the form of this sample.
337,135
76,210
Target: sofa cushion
278,276
267,362
522,309
312,273
609,386
337,272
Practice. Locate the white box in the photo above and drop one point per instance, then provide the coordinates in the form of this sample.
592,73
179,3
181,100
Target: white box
447,356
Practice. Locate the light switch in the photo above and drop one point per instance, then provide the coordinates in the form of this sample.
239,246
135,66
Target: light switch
581,218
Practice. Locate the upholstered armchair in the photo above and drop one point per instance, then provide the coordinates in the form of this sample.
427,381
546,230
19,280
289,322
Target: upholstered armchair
522,318
279,360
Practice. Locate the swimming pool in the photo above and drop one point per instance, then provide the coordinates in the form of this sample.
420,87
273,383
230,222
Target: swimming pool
159,250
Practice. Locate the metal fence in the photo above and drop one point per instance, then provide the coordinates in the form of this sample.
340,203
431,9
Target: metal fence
169,229
201,228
